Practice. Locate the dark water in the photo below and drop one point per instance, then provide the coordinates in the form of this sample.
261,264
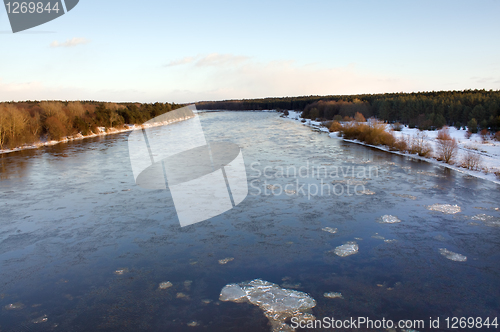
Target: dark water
71,215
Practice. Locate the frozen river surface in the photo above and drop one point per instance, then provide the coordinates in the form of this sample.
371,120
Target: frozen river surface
83,248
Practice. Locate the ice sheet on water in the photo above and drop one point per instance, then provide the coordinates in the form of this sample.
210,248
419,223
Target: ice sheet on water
444,208
452,255
329,230
388,219
350,248
487,220
279,304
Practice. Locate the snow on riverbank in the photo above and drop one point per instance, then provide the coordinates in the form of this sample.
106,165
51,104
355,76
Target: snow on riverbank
489,152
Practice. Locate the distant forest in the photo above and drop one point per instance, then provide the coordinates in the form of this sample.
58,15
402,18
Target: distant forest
424,110
29,122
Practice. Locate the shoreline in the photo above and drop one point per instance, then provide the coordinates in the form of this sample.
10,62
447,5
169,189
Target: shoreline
295,116
79,136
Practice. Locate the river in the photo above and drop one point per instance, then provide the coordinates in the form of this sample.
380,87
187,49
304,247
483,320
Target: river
83,248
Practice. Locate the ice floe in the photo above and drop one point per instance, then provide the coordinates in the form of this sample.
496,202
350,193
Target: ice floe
404,196
14,306
366,192
350,248
487,220
388,219
329,230
279,304
225,260
165,285
444,208
333,295
452,255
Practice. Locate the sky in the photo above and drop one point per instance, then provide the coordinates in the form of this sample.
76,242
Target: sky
188,51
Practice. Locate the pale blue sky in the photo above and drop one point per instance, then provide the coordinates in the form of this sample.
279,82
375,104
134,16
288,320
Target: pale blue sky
187,51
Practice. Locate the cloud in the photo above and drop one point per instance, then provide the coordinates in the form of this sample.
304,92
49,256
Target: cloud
235,77
211,60
180,62
70,42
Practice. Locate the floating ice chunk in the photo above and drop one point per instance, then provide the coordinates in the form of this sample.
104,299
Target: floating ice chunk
389,240
187,284
39,320
225,260
378,237
350,248
487,220
452,255
333,295
232,292
366,192
279,304
193,323
121,271
14,306
165,285
404,196
388,219
445,208
329,230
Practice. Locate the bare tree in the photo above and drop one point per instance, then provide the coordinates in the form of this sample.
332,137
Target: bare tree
446,146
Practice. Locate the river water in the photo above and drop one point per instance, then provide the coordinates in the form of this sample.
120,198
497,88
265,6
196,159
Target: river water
83,248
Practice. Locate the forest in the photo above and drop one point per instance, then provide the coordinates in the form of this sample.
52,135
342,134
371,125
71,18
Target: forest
477,109
33,121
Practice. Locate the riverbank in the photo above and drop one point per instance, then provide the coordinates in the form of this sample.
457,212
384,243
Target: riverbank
102,132
489,152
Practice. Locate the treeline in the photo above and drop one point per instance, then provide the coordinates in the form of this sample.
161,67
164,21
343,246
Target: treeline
29,122
425,110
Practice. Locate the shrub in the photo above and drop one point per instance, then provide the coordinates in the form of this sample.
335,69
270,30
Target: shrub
358,117
485,135
335,126
401,145
347,119
497,173
397,126
419,145
471,161
468,134
497,136
446,146
286,113
337,117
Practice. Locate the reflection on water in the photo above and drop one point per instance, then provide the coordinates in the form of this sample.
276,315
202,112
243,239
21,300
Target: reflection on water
82,248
